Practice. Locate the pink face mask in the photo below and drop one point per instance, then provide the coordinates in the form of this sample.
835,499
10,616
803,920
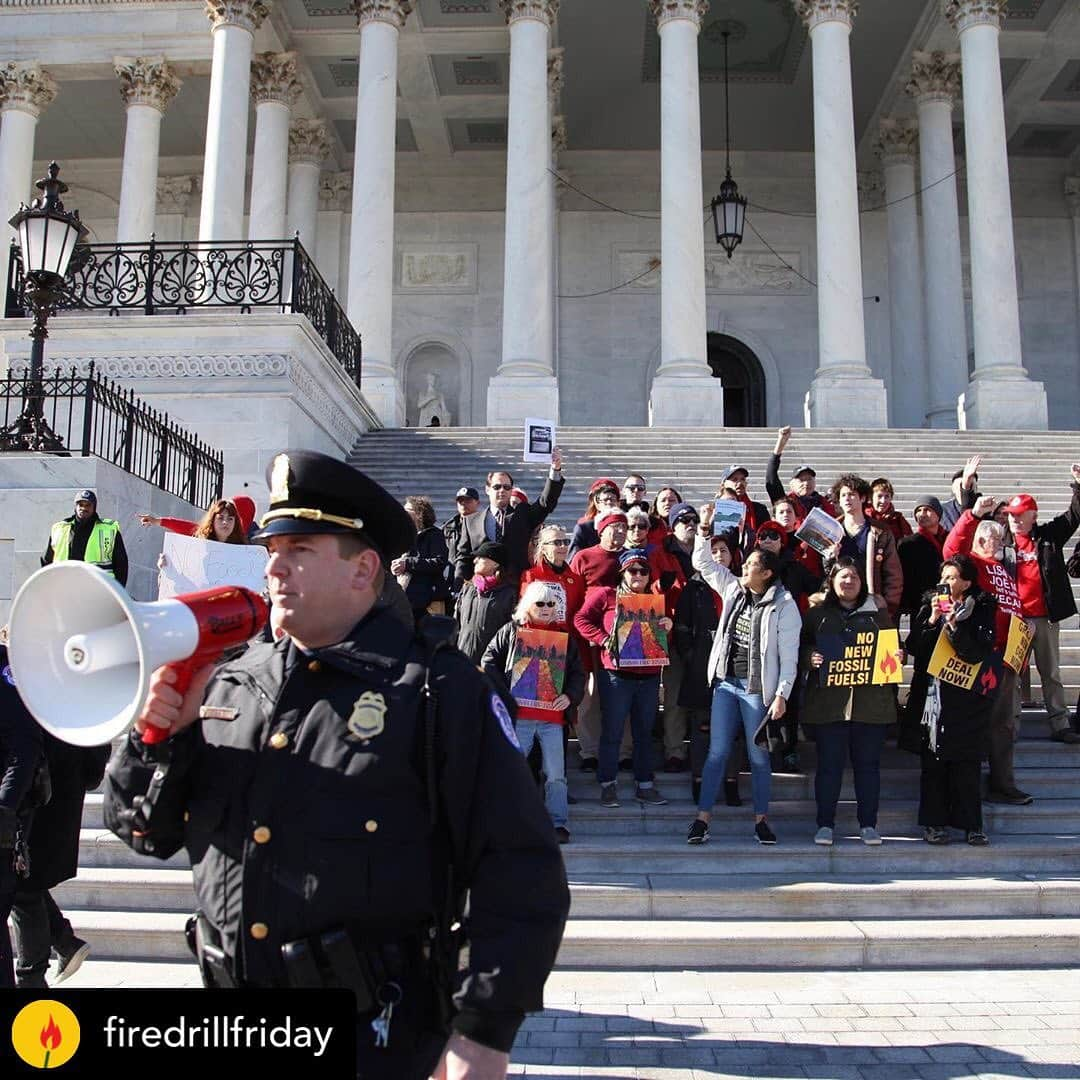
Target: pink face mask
483,583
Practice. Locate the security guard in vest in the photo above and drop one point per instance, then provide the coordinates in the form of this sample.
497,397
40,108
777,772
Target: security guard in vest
89,538
340,791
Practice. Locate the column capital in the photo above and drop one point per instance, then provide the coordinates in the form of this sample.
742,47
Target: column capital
815,12
542,10
394,12
174,193
247,14
1072,195
897,141
556,57
335,191
273,78
308,141
558,134
26,87
146,80
964,14
871,191
935,76
665,11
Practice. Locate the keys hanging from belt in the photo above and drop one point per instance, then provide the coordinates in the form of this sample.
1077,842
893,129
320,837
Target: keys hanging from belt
388,995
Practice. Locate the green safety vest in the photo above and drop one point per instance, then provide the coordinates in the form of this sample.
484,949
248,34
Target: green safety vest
99,548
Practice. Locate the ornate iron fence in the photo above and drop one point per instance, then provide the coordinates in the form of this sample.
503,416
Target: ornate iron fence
174,278
94,416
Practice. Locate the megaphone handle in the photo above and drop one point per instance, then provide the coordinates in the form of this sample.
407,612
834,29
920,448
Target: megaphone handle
184,671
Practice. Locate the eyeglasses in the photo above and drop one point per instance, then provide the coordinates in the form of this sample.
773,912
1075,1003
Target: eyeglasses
637,571
501,487
638,525
558,543
544,603
768,536
635,487
607,496
687,521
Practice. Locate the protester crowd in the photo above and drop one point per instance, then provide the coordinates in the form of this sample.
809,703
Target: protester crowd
696,638
754,616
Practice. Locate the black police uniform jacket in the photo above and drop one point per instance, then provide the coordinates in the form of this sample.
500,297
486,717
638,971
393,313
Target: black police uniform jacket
332,828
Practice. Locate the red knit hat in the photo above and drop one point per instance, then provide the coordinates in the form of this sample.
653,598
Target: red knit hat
610,518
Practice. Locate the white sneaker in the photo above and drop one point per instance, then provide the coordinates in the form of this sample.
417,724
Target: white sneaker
870,836
823,836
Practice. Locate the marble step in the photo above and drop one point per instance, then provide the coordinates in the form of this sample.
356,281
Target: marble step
703,944
678,896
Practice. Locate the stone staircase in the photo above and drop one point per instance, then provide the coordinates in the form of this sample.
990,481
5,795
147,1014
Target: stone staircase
641,896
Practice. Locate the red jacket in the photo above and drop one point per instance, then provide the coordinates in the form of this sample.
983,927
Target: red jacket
573,586
894,521
662,560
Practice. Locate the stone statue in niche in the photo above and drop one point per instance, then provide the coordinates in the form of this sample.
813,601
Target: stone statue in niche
433,411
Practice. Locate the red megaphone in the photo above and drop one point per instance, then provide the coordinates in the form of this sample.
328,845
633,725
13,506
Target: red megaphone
82,651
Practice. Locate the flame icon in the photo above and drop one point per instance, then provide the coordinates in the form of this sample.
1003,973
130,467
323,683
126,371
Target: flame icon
51,1037
888,664
45,1034
989,681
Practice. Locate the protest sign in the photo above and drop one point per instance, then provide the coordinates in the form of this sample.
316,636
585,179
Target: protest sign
866,658
192,564
949,668
1018,645
820,531
640,640
539,667
728,515
539,440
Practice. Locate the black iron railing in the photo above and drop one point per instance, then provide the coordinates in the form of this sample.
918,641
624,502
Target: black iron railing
94,416
175,278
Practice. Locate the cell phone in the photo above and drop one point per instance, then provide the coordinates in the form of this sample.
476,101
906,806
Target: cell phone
944,599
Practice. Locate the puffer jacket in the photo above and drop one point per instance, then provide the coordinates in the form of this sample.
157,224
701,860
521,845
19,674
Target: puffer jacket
781,626
826,704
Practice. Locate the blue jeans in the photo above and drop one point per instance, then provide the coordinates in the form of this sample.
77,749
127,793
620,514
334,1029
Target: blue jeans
862,743
732,706
550,738
618,697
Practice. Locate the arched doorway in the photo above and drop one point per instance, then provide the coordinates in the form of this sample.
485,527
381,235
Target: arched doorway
743,379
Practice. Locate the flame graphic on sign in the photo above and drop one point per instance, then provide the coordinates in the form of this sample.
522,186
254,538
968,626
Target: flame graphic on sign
51,1036
888,664
988,681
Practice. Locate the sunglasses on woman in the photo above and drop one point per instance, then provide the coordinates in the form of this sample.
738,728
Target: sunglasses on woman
636,571
558,543
545,603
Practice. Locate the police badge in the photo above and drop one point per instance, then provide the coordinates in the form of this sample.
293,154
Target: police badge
368,716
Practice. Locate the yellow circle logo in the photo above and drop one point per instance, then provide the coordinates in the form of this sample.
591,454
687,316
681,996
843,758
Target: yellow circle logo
45,1034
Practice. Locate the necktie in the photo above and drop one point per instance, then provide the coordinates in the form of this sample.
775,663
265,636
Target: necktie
500,523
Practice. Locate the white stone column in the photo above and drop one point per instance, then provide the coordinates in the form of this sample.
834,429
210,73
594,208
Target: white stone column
275,88
335,197
234,23
684,391
896,145
1072,200
26,90
843,392
371,265
525,384
147,84
556,61
1000,394
309,147
174,195
934,84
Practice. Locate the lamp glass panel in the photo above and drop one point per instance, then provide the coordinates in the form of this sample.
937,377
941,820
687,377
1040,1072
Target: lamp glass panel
60,242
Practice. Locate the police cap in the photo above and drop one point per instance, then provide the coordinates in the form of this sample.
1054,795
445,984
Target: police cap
312,493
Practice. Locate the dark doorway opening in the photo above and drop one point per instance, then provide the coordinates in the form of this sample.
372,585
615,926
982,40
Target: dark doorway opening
741,374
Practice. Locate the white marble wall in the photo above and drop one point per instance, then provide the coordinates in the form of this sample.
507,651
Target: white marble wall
37,491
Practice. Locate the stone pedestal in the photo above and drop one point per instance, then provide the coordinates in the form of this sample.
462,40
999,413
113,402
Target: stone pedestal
846,401
1009,403
511,398
686,401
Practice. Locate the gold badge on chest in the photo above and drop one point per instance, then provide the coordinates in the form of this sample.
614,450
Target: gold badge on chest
368,717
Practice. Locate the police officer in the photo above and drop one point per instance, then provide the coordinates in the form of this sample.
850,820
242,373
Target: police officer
87,537
340,790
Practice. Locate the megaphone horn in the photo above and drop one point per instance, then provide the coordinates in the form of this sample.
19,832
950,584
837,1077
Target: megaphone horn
82,651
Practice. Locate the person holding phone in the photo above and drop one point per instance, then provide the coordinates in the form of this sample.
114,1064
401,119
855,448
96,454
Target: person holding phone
953,731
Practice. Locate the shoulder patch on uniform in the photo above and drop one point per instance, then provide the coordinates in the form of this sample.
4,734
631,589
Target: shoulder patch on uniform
8,677
217,712
506,722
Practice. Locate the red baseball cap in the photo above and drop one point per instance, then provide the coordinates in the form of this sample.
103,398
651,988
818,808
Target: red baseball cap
1019,503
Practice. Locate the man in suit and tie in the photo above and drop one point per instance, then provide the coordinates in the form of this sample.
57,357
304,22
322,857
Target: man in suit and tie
499,522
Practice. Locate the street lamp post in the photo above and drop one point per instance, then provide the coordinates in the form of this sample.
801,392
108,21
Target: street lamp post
48,235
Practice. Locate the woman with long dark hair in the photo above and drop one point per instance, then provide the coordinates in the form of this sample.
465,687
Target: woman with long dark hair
603,497
953,731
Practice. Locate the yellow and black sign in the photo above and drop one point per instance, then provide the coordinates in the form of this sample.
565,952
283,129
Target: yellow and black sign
1019,644
946,666
872,659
